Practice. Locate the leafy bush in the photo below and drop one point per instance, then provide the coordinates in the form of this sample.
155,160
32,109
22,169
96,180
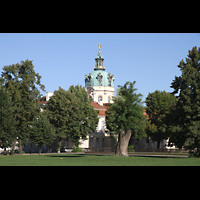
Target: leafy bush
20,152
77,149
194,154
130,148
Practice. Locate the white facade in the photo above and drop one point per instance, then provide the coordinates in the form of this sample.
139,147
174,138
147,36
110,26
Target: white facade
48,95
102,124
101,93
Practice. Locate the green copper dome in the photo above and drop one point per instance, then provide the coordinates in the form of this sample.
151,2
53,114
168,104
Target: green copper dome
99,77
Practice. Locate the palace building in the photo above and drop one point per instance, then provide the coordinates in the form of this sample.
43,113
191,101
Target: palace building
100,87
100,84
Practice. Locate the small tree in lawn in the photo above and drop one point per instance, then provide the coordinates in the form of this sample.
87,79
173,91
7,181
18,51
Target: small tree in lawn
42,131
125,117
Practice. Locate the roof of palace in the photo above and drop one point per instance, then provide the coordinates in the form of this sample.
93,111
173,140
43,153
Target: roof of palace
102,109
96,106
99,77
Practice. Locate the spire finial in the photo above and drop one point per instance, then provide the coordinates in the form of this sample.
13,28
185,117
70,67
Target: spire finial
100,45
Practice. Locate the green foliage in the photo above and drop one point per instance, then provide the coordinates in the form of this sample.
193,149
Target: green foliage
126,113
77,149
130,148
20,151
60,111
186,116
42,131
88,119
71,114
158,105
7,119
22,82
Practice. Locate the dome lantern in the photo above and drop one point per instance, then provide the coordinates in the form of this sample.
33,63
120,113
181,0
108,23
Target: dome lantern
99,77
99,60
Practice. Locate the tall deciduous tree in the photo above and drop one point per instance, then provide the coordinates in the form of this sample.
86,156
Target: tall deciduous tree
23,85
125,117
7,120
71,114
59,109
42,131
158,105
88,119
186,117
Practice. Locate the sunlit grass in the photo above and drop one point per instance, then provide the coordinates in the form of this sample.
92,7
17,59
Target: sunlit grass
94,160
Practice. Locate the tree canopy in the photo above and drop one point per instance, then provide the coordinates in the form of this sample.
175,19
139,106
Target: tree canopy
158,105
42,131
185,123
88,119
23,85
7,120
71,114
125,116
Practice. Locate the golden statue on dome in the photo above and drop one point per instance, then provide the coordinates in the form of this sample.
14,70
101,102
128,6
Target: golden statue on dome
100,45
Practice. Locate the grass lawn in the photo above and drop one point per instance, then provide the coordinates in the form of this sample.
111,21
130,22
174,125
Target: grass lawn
94,160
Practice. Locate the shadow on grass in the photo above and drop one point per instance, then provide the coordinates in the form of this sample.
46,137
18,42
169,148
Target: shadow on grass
100,155
64,156
152,156
72,155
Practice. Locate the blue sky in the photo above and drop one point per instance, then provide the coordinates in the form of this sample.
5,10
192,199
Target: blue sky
63,59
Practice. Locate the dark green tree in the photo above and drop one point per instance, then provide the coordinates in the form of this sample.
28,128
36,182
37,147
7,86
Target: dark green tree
185,123
88,119
59,109
71,114
125,117
7,120
42,131
23,85
158,105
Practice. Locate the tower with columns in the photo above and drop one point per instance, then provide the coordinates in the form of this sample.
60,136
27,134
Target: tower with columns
100,84
100,87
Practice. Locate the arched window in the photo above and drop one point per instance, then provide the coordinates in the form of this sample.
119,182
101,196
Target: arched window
108,99
100,98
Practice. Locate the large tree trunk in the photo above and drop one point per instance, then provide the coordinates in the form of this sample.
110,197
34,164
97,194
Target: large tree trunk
13,147
40,147
158,145
59,146
122,145
20,145
5,152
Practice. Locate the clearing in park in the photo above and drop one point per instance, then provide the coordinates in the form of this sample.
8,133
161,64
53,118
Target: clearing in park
95,160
